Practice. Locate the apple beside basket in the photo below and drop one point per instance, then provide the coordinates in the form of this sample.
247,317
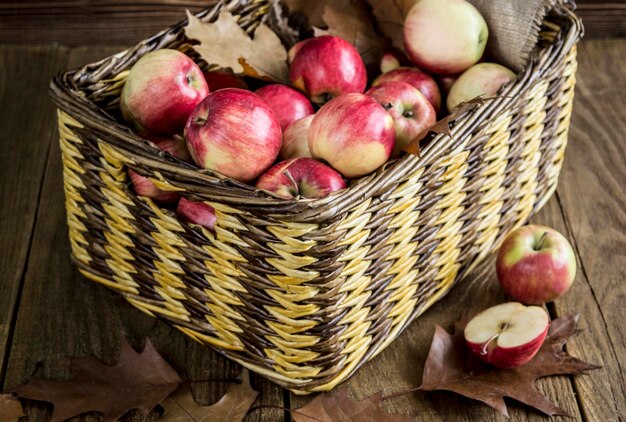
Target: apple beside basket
304,292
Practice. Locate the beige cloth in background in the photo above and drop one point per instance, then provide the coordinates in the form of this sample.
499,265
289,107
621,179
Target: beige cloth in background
513,28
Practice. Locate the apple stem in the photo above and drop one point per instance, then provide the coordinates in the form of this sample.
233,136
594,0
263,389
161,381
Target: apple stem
483,351
292,180
541,240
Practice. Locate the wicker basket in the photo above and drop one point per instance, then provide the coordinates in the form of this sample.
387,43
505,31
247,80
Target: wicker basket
304,292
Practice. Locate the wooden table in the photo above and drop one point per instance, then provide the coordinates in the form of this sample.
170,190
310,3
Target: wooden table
48,311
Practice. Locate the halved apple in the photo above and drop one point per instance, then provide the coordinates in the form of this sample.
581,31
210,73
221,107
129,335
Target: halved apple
507,335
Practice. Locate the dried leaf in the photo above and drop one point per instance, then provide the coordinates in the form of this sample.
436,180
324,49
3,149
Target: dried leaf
450,366
352,21
339,407
10,408
232,407
225,44
390,18
138,381
443,125
313,10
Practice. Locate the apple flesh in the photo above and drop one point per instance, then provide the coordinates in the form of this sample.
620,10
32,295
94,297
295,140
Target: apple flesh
353,133
288,104
296,139
326,67
444,36
423,82
301,177
196,213
507,335
161,91
235,133
483,79
535,264
410,110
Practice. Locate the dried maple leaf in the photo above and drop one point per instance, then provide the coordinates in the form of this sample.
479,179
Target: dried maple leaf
232,407
10,408
352,21
390,18
443,125
339,407
138,381
450,366
225,44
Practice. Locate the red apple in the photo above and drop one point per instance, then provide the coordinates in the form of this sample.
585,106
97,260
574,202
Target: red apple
389,62
410,110
353,133
445,82
326,67
415,77
535,264
296,139
196,213
483,79
288,104
161,91
221,79
145,187
175,145
301,177
235,133
444,36
507,335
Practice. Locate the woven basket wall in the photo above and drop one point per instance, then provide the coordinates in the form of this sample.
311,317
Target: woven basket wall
304,292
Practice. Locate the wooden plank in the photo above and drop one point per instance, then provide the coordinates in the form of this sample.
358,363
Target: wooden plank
80,22
62,314
400,366
28,127
593,198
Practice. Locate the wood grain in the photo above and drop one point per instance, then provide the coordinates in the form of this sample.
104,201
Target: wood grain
62,314
593,200
80,22
400,366
27,131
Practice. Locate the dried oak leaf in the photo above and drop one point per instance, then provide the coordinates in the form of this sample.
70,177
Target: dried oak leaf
232,407
390,18
313,10
339,407
225,44
352,21
443,125
10,408
138,381
450,366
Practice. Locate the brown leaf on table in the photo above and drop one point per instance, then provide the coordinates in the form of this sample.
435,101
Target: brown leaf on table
390,18
352,21
339,407
443,125
232,407
10,408
138,381
225,44
451,366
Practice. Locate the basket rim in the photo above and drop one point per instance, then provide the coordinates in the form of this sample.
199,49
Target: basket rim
69,99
